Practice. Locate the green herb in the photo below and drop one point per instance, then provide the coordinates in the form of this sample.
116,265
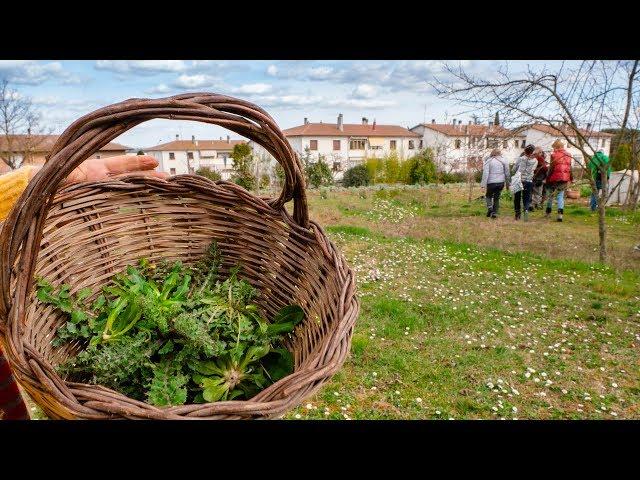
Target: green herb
171,334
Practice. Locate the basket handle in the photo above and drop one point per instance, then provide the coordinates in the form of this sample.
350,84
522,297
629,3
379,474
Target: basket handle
85,136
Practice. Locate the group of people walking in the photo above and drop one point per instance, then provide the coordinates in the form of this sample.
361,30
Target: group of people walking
532,182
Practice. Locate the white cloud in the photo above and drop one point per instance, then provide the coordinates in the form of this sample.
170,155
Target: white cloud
253,88
276,101
162,88
272,70
320,73
30,72
360,103
142,67
364,90
195,81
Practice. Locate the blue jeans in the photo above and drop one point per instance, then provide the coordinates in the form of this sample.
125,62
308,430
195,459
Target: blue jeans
594,195
558,189
525,195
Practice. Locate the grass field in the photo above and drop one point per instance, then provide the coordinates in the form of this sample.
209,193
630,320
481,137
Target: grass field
464,317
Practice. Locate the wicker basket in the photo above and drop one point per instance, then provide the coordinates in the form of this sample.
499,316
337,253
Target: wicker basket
86,233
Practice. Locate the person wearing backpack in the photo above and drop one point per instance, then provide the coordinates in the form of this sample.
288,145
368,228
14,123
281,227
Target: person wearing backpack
539,176
558,178
524,168
495,175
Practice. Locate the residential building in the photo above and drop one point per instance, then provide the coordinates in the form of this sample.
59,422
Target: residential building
544,135
33,149
187,156
457,147
344,145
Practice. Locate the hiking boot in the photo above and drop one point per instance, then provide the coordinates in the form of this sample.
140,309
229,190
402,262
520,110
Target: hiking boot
489,212
560,212
517,216
547,212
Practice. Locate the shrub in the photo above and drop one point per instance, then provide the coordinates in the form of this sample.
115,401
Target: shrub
421,168
242,164
265,180
357,176
208,173
318,173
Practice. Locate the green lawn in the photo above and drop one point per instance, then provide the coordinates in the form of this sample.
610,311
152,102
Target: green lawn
450,329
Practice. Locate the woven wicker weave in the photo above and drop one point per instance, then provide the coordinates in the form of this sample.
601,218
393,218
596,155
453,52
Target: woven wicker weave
86,233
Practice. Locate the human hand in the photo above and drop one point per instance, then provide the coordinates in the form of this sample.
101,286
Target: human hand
96,169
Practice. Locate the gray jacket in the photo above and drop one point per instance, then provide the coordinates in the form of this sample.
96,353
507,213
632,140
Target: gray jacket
526,166
495,170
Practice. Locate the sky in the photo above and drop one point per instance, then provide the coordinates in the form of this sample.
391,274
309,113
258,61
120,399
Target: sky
391,92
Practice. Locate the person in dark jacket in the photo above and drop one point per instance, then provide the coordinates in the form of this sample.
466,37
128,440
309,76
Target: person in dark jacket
539,176
559,177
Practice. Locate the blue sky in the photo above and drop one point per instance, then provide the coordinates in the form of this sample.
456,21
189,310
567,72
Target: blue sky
391,92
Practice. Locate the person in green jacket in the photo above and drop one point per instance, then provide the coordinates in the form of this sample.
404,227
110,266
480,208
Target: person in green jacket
594,164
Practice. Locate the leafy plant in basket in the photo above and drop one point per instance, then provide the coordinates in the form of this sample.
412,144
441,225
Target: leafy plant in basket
170,334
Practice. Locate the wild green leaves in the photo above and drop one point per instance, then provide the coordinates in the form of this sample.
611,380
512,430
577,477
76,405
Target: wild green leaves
169,334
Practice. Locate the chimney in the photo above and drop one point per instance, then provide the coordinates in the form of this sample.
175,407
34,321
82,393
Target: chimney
374,124
433,121
588,127
177,137
454,121
220,138
491,124
365,121
469,122
193,139
466,129
340,125
459,122
29,131
306,121
228,139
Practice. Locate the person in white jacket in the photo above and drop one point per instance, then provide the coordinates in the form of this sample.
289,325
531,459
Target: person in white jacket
495,175
525,165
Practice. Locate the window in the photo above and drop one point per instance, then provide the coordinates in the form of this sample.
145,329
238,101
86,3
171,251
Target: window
190,155
356,144
336,145
392,144
523,144
458,143
492,143
516,143
505,144
172,156
420,145
172,171
604,142
98,156
411,145
313,145
336,167
224,159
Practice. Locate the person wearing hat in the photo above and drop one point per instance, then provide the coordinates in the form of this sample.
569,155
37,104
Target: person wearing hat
495,175
525,166
558,178
539,176
598,162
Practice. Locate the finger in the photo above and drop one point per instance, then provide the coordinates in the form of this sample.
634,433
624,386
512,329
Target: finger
143,173
130,163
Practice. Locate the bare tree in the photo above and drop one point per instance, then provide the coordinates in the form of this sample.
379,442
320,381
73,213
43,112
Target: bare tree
566,99
20,132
